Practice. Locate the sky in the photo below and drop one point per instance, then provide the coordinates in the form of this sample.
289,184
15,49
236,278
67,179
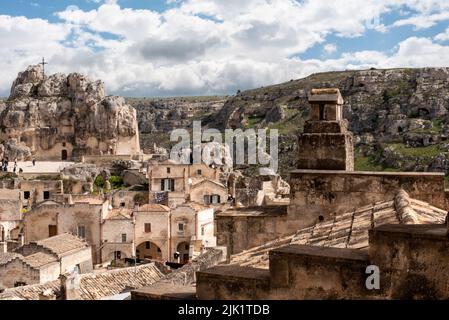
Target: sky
216,47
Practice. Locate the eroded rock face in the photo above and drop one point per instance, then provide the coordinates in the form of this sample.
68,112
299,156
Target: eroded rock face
65,117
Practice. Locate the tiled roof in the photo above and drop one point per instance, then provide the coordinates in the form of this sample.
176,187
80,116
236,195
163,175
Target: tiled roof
119,213
94,286
39,259
350,229
150,207
6,257
62,243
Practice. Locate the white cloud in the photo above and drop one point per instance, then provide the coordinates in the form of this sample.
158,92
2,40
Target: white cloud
211,46
330,48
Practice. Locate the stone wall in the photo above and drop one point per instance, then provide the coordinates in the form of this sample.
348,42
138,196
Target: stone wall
412,262
17,271
316,193
412,259
245,228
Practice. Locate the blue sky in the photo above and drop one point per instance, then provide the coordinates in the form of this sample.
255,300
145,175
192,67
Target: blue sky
202,47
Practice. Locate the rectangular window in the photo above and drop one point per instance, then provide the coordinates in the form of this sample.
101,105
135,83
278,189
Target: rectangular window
202,230
147,245
147,227
206,199
181,226
46,195
82,232
199,171
26,194
215,199
123,237
167,185
168,170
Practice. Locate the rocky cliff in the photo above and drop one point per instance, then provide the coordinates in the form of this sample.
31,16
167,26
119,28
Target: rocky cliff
64,117
159,116
399,117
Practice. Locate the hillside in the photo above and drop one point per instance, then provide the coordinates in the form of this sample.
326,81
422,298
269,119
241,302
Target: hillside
399,116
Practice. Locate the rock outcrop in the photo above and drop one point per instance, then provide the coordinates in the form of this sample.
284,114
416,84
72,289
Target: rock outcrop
64,117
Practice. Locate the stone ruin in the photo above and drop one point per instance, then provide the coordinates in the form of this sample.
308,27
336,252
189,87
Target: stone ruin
61,117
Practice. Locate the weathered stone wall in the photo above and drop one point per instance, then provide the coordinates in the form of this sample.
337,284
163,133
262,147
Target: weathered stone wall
412,259
232,283
82,258
17,271
243,230
311,272
317,193
126,197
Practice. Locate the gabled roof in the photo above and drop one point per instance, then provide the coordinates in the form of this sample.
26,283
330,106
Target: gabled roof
349,229
94,286
6,257
198,182
152,207
62,244
119,213
39,259
35,260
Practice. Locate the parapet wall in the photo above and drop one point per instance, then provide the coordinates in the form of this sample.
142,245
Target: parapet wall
317,193
411,261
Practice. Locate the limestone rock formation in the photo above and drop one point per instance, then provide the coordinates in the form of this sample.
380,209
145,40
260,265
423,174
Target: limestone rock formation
64,117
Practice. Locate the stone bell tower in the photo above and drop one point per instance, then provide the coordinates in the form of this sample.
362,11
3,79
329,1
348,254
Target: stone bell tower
326,143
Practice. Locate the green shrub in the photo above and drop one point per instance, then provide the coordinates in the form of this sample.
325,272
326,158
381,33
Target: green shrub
116,182
99,182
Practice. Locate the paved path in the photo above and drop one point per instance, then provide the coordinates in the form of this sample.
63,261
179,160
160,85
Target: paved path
40,167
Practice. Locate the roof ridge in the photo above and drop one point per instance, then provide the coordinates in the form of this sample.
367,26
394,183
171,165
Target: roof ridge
404,209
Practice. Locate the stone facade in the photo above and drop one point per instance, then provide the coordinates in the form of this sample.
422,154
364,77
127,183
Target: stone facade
80,218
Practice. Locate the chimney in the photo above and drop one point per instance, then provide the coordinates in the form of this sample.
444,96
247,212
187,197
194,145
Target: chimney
47,295
70,286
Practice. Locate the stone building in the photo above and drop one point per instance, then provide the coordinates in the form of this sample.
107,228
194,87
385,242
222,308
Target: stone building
156,232
83,218
10,214
185,182
43,261
118,235
338,223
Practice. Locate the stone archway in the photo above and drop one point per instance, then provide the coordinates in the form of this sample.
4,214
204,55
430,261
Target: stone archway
183,249
149,250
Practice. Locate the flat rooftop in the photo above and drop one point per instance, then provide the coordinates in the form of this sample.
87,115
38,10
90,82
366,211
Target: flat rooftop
40,166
